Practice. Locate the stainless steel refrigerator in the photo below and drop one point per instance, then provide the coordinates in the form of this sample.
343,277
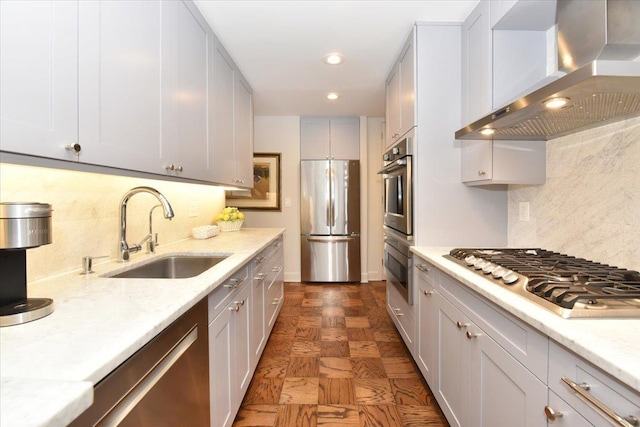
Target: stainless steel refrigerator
330,220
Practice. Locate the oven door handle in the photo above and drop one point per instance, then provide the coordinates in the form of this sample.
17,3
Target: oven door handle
398,164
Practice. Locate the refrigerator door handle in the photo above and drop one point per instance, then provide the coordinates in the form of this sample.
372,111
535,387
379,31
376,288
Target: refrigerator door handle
332,240
333,198
328,200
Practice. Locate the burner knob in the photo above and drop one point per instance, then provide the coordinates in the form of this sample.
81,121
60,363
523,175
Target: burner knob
489,267
479,263
510,277
469,259
498,272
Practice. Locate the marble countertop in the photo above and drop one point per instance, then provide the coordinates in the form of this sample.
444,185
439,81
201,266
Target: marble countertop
52,364
610,344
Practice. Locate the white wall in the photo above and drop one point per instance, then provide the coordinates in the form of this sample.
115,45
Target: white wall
375,149
589,205
281,134
86,212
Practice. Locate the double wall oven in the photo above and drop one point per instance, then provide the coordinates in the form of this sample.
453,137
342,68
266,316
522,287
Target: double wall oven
397,184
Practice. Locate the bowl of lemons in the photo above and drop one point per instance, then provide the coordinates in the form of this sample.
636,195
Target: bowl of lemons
230,219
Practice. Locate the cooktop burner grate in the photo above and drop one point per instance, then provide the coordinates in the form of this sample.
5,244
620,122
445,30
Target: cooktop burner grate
567,285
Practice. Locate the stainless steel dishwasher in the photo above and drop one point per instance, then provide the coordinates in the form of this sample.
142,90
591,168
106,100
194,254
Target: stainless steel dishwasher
165,383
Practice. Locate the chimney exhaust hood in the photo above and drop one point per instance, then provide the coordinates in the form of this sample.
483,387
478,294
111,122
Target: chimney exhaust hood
598,48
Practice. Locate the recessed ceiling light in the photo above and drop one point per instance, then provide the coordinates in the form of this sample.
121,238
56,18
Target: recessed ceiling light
555,103
488,131
333,59
333,96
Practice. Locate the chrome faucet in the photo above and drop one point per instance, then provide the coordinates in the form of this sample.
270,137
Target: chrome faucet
124,250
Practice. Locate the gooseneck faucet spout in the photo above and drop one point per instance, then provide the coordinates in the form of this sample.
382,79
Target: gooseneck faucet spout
124,250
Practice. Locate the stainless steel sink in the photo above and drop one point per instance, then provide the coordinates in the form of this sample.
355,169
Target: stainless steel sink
172,267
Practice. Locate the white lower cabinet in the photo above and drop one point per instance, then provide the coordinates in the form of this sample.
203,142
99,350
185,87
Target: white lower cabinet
424,278
241,316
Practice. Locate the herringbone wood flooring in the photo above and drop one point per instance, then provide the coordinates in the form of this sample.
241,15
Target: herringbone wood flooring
334,358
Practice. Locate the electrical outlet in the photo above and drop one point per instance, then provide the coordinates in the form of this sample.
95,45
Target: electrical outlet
193,209
523,214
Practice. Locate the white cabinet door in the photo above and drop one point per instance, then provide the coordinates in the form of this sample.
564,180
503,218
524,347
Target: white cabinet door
242,336
222,122
222,379
407,88
258,313
476,64
315,138
124,80
452,363
190,137
504,393
243,140
477,160
39,77
393,106
345,138
426,334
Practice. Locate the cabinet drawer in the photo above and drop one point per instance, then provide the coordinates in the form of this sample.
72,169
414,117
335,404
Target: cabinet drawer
425,270
616,396
262,259
524,343
223,293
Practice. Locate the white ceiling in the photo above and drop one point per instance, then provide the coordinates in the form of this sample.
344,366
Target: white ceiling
279,46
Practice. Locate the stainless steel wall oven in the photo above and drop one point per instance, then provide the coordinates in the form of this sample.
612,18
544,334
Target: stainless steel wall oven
397,188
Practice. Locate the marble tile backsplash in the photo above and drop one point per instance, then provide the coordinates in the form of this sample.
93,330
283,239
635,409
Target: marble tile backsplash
86,212
590,204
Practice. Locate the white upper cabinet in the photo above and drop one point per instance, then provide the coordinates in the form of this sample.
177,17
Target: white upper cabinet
123,120
400,93
243,125
476,64
190,146
222,120
329,138
39,77
232,123
135,85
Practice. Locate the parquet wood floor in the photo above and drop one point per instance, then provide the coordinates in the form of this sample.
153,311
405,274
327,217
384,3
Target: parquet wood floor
334,358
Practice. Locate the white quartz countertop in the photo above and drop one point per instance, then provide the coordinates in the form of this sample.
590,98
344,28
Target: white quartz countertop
611,344
48,367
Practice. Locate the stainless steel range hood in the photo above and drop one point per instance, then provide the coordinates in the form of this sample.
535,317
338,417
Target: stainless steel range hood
598,46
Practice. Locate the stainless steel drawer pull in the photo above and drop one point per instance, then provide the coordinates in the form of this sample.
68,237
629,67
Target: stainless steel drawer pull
428,293
276,269
422,267
471,335
260,276
629,421
126,405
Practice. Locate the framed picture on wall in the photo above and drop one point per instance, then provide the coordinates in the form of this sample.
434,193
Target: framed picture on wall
265,194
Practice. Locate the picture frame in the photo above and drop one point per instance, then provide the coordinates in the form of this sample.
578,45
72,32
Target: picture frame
265,194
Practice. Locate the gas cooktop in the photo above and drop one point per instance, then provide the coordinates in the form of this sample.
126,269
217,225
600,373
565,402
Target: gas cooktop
570,287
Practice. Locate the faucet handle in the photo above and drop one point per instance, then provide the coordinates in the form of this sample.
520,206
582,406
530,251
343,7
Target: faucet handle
87,263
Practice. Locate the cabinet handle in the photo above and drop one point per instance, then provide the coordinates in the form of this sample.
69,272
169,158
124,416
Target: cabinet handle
551,413
428,293
276,301
237,307
629,421
170,167
179,168
461,325
398,312
233,283
239,302
259,260
481,173
276,269
423,267
471,335
260,276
